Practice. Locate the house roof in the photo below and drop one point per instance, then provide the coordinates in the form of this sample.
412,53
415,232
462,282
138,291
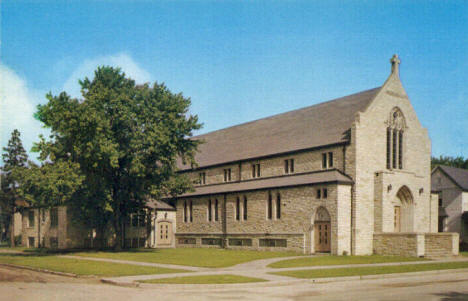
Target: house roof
327,176
322,124
159,205
458,175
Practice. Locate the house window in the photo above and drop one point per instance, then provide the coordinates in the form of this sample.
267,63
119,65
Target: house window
227,175
272,242
240,242
31,242
440,202
216,209
319,193
237,209
191,211
209,210
395,139
53,217
325,193
31,218
185,211
327,160
187,241
278,206
255,170
245,207
211,241
269,207
289,166
202,178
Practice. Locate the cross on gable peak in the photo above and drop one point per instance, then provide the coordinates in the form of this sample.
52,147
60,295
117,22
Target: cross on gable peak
395,61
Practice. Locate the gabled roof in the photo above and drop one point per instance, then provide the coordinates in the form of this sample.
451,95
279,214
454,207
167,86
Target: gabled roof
326,176
458,175
159,205
322,124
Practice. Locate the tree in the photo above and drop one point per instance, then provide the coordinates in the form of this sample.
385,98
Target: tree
126,139
15,160
459,161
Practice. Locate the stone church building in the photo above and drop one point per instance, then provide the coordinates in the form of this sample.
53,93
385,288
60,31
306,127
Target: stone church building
347,176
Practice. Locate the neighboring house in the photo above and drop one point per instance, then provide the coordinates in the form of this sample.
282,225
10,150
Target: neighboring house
347,176
451,186
55,228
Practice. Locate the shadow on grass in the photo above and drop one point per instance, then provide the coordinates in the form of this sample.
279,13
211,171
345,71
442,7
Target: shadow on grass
452,296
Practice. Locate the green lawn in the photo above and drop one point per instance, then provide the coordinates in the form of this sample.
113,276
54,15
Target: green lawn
83,267
339,260
199,257
361,271
206,279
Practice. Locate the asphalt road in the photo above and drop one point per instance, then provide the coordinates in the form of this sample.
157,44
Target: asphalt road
447,287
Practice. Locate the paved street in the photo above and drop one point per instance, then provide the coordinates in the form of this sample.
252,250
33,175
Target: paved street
446,286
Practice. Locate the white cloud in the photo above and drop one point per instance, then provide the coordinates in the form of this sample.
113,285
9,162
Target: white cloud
87,68
17,107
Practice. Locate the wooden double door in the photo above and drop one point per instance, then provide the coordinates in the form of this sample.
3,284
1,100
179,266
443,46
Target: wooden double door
322,236
165,233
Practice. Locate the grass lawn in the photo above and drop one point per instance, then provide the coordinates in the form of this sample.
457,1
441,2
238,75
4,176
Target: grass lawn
339,260
206,279
361,271
199,257
83,267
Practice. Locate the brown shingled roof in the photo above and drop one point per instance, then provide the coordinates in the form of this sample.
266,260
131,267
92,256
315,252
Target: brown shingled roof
159,205
322,124
457,175
326,176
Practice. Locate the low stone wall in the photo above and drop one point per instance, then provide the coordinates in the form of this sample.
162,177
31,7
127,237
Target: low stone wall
416,244
258,242
441,244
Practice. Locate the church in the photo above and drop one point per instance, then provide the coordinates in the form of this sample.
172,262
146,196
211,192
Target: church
350,176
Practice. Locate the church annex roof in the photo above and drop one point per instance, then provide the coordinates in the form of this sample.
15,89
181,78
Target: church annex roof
320,177
322,124
458,175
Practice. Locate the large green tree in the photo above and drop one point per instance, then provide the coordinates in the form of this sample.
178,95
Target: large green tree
15,160
126,139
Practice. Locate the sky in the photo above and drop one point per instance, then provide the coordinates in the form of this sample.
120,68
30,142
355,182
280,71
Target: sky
240,60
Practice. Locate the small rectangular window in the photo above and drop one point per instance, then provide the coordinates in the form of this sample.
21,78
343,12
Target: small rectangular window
440,202
269,207
191,211
324,160
389,149
31,220
216,209
400,149
245,207
394,149
202,178
237,209
325,193
187,241
227,175
330,159
319,193
53,217
278,206
286,166
289,166
255,170
209,210
185,211
211,241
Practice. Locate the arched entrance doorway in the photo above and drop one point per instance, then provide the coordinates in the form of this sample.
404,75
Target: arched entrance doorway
403,211
322,230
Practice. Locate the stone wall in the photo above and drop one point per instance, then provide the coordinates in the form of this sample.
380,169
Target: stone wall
431,245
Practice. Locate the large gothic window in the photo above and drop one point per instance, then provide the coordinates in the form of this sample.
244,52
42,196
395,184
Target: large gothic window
396,126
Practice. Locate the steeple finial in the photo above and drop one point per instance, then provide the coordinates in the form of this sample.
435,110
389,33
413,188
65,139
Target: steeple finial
395,61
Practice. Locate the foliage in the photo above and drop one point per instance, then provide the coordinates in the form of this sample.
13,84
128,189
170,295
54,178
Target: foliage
126,140
83,267
340,260
199,257
15,161
373,270
459,161
205,279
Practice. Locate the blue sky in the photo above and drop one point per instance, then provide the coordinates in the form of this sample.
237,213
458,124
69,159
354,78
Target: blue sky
241,60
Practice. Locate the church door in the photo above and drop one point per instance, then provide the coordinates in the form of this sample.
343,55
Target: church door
165,233
322,236
397,219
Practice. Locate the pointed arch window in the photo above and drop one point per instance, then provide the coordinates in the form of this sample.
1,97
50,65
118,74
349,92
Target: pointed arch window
396,126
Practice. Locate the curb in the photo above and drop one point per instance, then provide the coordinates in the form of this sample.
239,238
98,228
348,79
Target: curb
44,271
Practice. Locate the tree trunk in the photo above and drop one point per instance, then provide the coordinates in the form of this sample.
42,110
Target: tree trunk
12,230
118,232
